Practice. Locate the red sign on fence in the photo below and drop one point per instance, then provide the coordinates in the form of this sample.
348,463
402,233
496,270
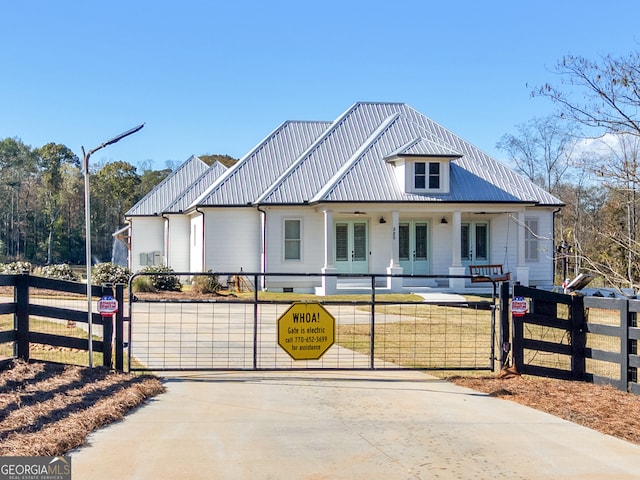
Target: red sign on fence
107,306
519,306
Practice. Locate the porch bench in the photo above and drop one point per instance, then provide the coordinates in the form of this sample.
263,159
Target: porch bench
488,273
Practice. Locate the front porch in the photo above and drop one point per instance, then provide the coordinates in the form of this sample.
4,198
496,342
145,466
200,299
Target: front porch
411,246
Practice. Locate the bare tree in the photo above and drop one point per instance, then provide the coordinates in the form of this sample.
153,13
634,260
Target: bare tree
619,171
602,94
542,150
601,218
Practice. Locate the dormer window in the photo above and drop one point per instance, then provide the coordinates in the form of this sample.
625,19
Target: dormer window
427,176
423,167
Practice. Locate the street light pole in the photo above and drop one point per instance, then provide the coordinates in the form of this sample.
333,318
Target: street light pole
87,214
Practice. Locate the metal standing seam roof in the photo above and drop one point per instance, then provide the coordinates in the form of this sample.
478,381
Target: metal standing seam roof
204,181
381,182
163,194
317,166
257,170
483,166
347,163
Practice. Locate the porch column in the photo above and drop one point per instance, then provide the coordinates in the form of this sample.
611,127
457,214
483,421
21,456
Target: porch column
456,267
456,239
395,239
522,270
394,268
329,284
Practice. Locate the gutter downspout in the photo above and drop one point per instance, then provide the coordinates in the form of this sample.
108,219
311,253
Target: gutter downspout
263,254
202,259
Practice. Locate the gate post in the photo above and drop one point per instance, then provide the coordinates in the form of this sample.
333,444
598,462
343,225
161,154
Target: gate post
518,337
119,328
578,338
107,330
624,346
505,338
21,317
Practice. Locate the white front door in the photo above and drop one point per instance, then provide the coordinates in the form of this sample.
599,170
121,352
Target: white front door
352,246
413,237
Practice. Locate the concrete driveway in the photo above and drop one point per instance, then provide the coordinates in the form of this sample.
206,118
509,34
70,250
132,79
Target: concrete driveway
343,425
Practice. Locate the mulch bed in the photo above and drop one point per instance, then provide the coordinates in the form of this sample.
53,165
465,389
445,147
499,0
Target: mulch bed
48,409
599,407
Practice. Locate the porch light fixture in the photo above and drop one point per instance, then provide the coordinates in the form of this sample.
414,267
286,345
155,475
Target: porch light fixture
443,221
87,214
382,220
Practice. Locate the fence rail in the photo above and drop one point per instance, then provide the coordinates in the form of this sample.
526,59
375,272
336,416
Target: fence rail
578,338
50,322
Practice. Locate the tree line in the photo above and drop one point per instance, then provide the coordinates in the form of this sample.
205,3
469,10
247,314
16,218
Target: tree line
42,217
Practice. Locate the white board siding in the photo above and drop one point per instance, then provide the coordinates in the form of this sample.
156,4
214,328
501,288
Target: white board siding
312,248
441,247
379,245
178,242
504,245
147,235
503,242
541,272
232,239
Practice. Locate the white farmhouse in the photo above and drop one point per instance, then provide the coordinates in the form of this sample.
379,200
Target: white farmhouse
382,189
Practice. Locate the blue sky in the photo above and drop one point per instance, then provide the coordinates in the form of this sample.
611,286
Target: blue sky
218,76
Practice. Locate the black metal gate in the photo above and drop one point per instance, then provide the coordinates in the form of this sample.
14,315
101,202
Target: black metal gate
235,326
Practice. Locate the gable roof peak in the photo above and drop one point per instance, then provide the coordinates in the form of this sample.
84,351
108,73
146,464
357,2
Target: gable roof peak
165,192
422,147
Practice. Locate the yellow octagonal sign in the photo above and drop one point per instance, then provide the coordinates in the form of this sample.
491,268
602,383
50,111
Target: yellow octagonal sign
306,331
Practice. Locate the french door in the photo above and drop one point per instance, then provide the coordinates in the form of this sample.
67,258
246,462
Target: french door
413,237
474,243
352,246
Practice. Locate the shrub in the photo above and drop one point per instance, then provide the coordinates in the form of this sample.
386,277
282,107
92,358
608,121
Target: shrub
205,283
59,272
163,278
108,272
143,284
16,267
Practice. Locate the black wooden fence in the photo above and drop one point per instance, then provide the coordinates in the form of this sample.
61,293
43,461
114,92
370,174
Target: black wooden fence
24,307
576,337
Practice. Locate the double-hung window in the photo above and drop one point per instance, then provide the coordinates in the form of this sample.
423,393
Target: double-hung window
426,176
531,239
420,176
292,239
434,175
